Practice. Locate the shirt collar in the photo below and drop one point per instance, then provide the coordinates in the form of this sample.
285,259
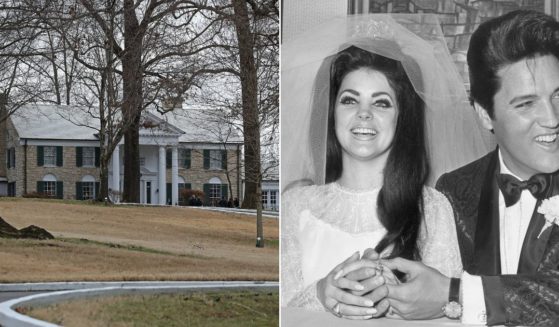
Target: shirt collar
504,169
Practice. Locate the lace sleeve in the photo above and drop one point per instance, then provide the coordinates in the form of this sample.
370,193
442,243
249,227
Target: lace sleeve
438,242
293,292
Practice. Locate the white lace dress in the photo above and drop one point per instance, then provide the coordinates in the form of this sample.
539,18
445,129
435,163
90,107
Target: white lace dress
323,225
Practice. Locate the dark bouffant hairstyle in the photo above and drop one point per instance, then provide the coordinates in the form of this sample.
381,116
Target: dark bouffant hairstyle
400,201
505,40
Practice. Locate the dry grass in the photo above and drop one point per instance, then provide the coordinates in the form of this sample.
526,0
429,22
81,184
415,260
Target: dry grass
134,243
231,309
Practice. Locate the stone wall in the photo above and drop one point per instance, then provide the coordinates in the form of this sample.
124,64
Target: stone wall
15,174
69,173
197,176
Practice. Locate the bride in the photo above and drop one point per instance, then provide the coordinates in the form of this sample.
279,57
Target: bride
380,94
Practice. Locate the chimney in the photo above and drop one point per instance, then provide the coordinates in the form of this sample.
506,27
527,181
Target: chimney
171,103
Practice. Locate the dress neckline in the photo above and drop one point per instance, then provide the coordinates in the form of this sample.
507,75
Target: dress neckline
354,191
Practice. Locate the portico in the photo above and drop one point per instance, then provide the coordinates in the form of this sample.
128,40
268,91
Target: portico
156,137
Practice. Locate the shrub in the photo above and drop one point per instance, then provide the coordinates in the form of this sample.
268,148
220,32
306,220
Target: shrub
37,195
186,194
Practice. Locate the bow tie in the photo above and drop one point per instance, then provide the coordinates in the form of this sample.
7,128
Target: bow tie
512,187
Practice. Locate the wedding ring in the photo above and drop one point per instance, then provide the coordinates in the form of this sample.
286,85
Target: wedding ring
379,268
336,310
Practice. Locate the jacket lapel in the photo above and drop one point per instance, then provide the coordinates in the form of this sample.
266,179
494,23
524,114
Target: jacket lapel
533,247
487,258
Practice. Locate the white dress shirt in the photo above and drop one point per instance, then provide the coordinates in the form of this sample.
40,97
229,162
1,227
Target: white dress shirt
513,224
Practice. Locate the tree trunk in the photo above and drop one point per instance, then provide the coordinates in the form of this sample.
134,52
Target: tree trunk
131,183
251,123
259,226
132,102
103,192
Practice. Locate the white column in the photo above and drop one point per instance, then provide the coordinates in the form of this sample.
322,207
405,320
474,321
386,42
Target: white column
162,175
116,169
175,176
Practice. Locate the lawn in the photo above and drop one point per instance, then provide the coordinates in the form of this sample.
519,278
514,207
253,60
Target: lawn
229,308
98,242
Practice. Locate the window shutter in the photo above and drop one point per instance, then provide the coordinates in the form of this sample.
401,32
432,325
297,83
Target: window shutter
40,157
59,189
79,156
187,158
206,159
40,187
59,162
97,156
8,152
96,191
79,192
224,191
169,158
223,159
206,193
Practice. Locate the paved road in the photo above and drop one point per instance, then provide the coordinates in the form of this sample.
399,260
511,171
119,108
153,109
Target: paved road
74,290
5,296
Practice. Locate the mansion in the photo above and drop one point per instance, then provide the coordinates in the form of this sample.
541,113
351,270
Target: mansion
53,150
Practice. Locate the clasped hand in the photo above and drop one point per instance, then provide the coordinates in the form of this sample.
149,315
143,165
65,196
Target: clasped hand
356,288
362,288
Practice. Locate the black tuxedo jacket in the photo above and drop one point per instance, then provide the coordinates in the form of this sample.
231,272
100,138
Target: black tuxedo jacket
531,297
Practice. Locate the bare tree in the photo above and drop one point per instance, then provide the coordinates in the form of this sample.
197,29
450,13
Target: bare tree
112,55
154,49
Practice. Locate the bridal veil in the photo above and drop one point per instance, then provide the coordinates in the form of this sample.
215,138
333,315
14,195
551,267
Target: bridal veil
454,136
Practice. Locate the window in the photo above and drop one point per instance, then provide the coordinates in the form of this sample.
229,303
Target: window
49,188
215,159
142,161
264,199
88,157
215,193
273,199
184,158
49,156
88,190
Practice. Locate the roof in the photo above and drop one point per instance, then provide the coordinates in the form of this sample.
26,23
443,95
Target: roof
45,121
61,122
204,126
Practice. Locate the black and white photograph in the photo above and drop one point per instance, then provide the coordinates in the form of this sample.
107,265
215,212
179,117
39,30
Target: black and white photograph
419,163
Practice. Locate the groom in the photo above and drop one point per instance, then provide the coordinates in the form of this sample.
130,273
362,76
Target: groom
509,252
